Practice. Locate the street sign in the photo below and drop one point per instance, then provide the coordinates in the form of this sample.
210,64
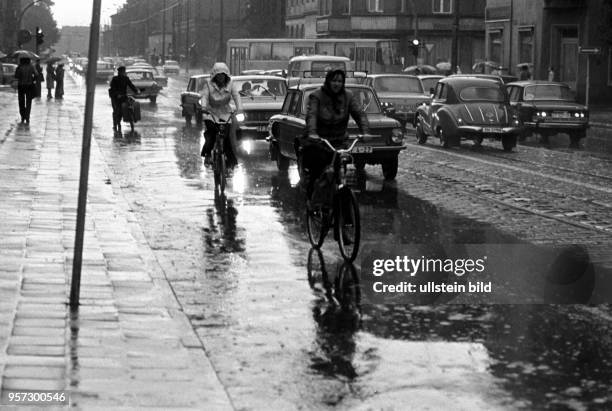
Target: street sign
589,50
429,47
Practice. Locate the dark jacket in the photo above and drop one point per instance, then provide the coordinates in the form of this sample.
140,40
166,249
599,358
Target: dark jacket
328,115
119,85
25,74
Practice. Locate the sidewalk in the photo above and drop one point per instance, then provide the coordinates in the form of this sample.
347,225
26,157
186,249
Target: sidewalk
129,345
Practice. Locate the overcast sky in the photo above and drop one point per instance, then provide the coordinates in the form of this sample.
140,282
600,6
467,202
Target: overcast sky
78,12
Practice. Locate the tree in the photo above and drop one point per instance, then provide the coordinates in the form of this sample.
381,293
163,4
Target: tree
40,15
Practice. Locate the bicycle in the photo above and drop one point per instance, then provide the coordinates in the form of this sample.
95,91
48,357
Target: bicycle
219,165
338,208
128,111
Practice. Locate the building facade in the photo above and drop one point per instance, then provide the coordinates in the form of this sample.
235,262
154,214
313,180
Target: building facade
550,34
435,23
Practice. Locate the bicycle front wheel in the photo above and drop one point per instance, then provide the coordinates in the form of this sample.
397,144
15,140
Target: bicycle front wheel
348,224
317,222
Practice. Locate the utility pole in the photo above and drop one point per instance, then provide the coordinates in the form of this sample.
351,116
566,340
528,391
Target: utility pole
163,50
221,56
455,46
187,36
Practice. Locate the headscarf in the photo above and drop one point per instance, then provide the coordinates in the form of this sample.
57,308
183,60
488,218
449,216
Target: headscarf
220,68
328,90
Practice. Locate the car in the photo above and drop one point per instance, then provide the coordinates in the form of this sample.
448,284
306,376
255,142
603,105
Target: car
171,67
310,69
400,93
104,71
547,108
429,81
290,124
468,108
500,78
8,74
160,78
144,81
190,98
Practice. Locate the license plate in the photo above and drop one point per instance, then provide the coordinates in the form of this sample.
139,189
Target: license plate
561,114
362,149
491,130
262,129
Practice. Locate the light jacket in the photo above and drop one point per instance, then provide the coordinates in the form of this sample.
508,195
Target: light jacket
217,99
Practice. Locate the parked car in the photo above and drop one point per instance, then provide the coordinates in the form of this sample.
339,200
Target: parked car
171,67
8,74
468,108
190,98
548,108
290,124
500,78
144,80
400,93
104,71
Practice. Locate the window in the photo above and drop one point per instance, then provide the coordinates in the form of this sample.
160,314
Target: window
282,51
375,6
482,94
514,93
287,102
441,91
495,45
345,50
442,6
525,45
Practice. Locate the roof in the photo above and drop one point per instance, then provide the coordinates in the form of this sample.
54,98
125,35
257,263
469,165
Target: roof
423,76
256,77
308,86
537,82
392,75
319,57
462,81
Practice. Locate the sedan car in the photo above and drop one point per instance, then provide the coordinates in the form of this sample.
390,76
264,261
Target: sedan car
548,108
470,108
290,124
402,93
190,98
104,71
171,67
144,80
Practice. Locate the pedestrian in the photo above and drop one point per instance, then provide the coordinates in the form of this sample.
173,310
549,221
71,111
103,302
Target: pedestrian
551,73
118,95
40,78
50,79
525,74
25,74
59,82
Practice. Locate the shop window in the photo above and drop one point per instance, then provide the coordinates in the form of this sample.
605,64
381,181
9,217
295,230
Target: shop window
525,45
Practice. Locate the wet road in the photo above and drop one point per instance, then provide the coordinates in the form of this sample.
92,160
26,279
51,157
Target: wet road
239,270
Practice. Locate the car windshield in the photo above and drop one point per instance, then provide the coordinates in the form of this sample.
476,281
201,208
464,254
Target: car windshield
140,75
365,98
482,93
399,84
429,83
261,87
548,92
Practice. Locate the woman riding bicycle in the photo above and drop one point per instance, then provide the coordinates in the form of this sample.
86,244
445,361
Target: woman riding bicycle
216,96
327,116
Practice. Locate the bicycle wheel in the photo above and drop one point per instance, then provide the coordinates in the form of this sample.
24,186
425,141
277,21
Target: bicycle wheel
317,222
347,288
347,224
219,172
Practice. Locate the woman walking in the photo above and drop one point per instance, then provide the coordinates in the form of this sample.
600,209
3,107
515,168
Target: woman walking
59,82
50,79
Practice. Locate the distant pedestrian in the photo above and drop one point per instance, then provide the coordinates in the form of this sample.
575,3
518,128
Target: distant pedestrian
50,79
118,94
40,78
525,74
551,73
59,82
25,74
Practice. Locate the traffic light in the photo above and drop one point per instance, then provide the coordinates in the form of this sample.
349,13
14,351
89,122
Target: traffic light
414,47
40,36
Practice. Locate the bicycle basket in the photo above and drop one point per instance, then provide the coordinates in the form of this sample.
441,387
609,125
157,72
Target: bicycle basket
324,188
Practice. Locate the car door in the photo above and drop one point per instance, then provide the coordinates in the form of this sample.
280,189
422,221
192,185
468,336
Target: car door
294,123
283,123
438,100
514,97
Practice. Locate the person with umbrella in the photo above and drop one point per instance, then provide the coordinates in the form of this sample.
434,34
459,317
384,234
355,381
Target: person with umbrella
50,79
59,81
26,87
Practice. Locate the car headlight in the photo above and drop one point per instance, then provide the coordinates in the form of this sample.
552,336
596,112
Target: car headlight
459,121
200,102
240,117
397,136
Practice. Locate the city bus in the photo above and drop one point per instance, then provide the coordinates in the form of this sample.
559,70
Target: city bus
371,55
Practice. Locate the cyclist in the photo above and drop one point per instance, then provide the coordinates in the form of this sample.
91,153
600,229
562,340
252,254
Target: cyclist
216,96
327,115
118,94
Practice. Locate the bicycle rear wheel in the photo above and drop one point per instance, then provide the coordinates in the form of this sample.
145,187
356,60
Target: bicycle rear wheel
348,224
317,222
347,289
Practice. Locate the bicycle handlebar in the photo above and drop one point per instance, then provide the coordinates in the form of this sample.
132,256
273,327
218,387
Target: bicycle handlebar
216,118
358,138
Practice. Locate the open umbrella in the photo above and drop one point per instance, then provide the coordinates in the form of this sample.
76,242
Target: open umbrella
19,54
486,66
421,69
443,66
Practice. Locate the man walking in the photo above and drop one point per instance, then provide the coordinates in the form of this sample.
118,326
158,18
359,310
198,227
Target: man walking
118,94
26,87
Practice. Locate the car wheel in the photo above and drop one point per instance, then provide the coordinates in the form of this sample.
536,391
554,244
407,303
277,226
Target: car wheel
389,168
153,99
509,142
443,138
420,133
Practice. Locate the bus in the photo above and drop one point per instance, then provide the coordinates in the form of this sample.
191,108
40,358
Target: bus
369,55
